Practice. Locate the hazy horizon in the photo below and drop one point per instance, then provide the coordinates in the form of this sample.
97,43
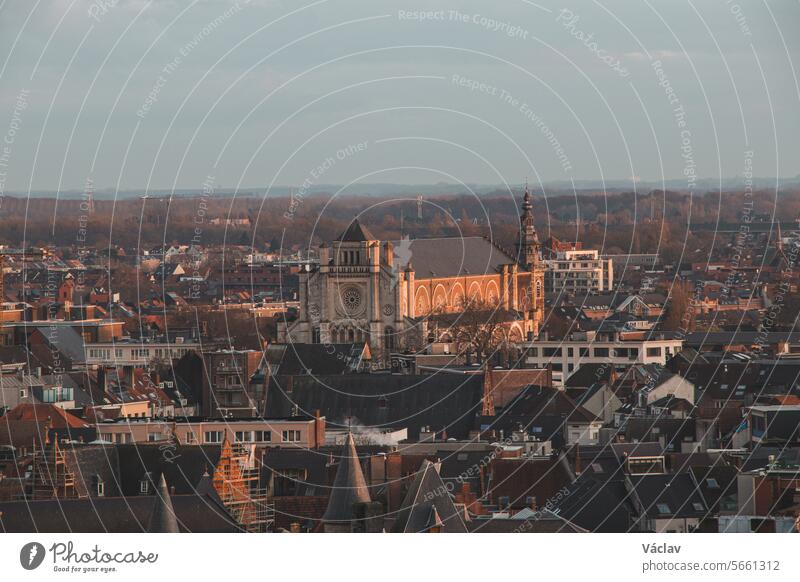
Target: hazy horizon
140,95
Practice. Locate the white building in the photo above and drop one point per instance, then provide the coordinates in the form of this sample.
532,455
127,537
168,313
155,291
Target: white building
137,353
620,349
578,271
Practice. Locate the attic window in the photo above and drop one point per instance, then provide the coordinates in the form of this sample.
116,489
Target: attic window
597,467
144,484
663,508
100,486
712,483
698,506
461,457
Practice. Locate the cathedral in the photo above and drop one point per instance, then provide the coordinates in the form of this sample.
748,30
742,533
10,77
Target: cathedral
380,292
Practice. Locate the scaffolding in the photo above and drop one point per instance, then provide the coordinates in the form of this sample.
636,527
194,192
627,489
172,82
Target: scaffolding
51,478
236,481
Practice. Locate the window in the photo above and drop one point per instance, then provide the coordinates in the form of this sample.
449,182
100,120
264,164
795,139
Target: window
262,436
597,467
663,508
570,352
144,484
99,486
213,436
712,483
601,352
552,352
154,437
698,506
291,436
653,352
243,436
584,352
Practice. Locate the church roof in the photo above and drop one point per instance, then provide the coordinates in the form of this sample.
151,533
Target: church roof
356,232
349,487
162,517
450,256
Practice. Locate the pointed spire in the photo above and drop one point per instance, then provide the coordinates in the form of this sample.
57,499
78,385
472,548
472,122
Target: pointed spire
162,516
349,486
526,198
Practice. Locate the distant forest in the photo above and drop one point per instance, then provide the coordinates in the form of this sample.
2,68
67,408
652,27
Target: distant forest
677,225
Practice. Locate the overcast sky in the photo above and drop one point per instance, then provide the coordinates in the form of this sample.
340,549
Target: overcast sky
135,94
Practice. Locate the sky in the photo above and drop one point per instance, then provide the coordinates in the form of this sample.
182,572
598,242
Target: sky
140,95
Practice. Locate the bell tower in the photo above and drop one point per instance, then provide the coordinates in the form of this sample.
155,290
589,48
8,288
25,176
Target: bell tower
528,241
529,259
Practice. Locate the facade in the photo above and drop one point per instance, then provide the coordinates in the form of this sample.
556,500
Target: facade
379,292
578,271
136,353
233,388
618,349
263,432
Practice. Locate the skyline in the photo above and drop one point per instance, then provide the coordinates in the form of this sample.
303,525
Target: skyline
146,96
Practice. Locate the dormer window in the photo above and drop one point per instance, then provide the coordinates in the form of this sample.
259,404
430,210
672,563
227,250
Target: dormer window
144,484
99,486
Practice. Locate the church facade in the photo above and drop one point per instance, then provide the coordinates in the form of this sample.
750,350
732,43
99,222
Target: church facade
381,292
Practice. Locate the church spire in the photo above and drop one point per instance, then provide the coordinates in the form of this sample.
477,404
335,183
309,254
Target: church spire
528,243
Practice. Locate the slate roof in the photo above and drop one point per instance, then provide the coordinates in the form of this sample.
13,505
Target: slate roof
668,496
597,504
588,374
193,513
453,256
718,485
183,467
325,359
427,504
349,487
542,521
519,479
441,401
162,515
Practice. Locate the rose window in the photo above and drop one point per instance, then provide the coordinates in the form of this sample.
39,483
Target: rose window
351,298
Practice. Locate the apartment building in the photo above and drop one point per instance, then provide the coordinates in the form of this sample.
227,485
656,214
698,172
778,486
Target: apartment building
578,271
619,349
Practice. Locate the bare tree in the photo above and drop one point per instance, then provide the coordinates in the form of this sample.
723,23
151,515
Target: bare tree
478,327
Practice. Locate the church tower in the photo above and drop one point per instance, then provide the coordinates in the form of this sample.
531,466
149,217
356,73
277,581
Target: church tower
529,258
528,242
